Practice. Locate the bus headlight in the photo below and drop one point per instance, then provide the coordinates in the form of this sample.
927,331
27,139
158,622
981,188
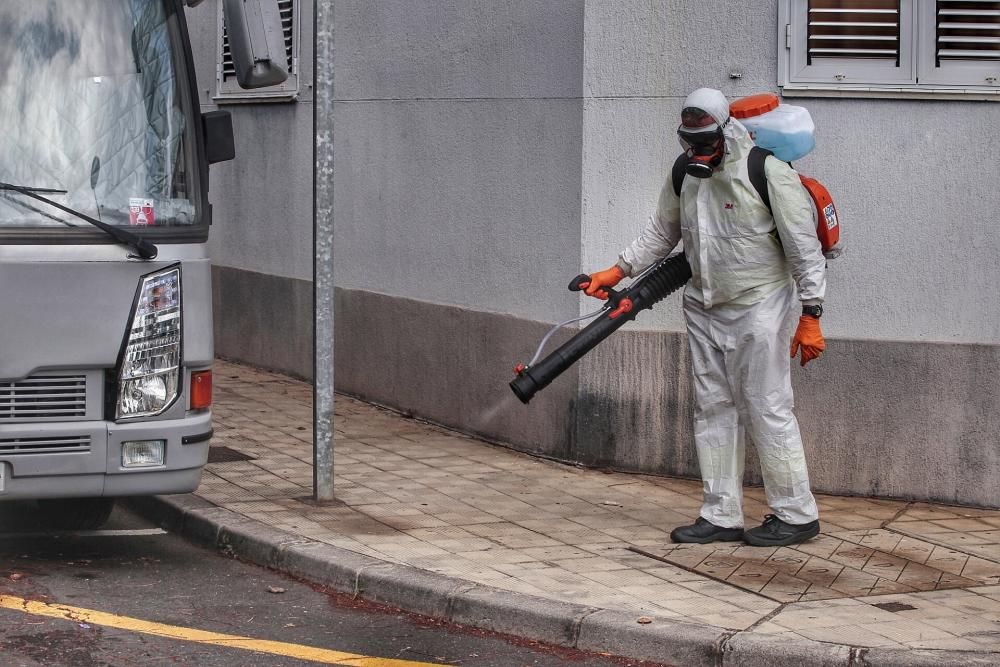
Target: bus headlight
142,453
149,367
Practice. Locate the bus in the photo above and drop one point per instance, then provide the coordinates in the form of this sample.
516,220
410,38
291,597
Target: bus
106,342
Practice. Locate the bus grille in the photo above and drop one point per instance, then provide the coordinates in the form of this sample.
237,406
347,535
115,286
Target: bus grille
42,397
73,443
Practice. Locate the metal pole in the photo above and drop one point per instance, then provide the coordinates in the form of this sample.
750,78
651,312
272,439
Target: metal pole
323,296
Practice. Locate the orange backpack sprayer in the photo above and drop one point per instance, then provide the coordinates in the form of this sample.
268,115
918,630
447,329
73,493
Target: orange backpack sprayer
785,131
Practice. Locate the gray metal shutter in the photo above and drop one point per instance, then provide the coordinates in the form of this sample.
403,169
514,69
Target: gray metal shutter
853,29
967,30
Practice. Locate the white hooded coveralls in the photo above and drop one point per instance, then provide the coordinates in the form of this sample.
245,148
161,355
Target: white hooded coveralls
740,309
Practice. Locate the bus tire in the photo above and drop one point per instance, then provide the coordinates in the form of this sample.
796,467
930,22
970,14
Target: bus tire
76,513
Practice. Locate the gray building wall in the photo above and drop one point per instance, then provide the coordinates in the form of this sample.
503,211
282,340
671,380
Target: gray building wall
457,203
485,154
261,239
262,201
457,131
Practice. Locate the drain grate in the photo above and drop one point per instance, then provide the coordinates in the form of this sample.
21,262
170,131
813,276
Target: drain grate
222,454
850,564
894,606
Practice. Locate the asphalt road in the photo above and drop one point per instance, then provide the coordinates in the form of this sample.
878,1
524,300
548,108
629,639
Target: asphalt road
107,598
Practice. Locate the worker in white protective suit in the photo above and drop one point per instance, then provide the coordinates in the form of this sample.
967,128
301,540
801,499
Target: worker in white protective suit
740,308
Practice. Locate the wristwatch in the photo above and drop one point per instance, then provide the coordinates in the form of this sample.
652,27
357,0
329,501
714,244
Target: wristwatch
813,311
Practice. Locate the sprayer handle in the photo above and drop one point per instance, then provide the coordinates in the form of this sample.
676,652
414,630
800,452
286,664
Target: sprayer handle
613,295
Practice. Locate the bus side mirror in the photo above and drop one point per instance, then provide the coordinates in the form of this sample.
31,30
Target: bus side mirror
220,145
256,41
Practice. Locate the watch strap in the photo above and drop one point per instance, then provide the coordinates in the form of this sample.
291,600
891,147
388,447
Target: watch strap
813,311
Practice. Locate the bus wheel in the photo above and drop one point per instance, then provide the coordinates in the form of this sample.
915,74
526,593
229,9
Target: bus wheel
76,513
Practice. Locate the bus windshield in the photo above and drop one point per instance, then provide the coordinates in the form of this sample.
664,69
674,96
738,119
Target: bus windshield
92,109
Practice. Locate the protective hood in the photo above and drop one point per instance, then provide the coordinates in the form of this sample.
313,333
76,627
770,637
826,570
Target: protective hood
738,141
711,101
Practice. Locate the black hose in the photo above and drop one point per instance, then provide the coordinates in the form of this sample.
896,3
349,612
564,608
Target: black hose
666,278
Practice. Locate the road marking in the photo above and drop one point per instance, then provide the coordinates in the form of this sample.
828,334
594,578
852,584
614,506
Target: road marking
86,533
92,617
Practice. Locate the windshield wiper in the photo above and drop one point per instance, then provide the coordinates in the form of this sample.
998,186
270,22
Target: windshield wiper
8,186
143,248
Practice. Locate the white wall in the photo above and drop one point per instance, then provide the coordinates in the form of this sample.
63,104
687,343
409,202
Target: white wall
457,142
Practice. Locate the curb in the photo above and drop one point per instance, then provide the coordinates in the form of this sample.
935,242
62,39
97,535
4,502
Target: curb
551,621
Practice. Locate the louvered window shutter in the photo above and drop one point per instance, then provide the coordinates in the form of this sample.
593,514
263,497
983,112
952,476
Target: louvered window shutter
967,30
960,44
851,42
853,29
287,27
929,47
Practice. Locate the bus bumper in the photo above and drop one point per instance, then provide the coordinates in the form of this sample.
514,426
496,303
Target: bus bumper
90,465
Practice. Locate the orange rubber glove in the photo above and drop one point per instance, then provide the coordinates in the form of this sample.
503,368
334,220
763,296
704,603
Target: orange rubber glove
809,337
606,278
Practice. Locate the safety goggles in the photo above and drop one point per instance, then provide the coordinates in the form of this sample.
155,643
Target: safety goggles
701,141
699,132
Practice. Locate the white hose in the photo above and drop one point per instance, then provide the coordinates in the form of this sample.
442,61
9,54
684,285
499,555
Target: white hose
560,326
606,306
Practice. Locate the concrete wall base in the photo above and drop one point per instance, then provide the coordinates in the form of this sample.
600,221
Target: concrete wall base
903,420
264,320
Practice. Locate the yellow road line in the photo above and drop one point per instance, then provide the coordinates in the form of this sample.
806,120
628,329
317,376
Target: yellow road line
299,651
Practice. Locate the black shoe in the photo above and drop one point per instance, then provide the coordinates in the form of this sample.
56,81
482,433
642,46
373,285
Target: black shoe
776,533
704,531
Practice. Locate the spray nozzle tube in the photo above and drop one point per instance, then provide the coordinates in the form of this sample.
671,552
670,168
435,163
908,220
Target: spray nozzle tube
650,287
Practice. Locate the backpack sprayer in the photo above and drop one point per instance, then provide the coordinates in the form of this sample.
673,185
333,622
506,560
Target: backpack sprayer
650,287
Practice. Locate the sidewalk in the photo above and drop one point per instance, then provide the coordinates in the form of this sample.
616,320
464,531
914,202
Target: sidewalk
886,583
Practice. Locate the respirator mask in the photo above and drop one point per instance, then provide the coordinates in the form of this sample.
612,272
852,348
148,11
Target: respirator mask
703,141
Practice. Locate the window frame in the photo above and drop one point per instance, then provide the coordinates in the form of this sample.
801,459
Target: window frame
871,71
950,72
919,76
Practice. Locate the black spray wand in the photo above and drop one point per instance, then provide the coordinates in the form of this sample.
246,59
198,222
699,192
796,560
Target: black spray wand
649,288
